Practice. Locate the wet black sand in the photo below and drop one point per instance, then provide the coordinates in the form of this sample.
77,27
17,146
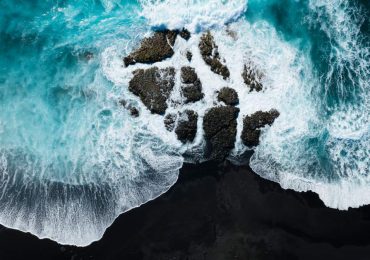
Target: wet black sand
217,212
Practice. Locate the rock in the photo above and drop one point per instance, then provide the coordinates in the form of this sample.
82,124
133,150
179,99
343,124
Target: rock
153,49
219,126
252,126
189,55
153,86
188,75
134,112
209,52
187,126
170,121
192,88
252,78
185,34
193,93
229,96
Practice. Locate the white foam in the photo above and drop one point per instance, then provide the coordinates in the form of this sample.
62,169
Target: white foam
195,15
326,154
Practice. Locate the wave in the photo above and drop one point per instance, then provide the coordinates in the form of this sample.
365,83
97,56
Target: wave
331,156
195,15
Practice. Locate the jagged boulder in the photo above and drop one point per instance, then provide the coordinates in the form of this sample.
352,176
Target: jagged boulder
252,78
229,96
153,86
209,52
192,87
219,126
252,126
187,126
153,49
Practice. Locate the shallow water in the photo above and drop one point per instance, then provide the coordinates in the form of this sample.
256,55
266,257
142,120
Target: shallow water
72,159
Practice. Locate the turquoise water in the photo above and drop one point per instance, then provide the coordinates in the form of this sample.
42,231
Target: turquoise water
78,160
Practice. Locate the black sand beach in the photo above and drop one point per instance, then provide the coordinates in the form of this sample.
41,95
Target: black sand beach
217,212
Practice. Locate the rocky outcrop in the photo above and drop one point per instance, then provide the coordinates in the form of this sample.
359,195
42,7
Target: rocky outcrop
134,112
187,126
170,121
188,75
219,126
153,86
252,78
209,52
153,49
229,96
252,126
185,34
192,87
189,56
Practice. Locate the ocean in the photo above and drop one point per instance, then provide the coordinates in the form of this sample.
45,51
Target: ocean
72,159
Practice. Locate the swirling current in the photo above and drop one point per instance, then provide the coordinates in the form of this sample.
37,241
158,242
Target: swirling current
72,160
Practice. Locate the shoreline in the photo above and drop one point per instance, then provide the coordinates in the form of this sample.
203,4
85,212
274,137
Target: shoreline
217,212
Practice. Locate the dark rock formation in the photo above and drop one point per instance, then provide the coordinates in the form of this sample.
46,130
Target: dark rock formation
188,75
185,34
192,88
153,49
192,93
228,96
209,52
252,126
153,86
187,126
219,126
170,121
134,112
252,78
189,55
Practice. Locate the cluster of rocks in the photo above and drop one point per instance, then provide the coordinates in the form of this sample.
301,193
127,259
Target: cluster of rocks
154,86
192,87
209,51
